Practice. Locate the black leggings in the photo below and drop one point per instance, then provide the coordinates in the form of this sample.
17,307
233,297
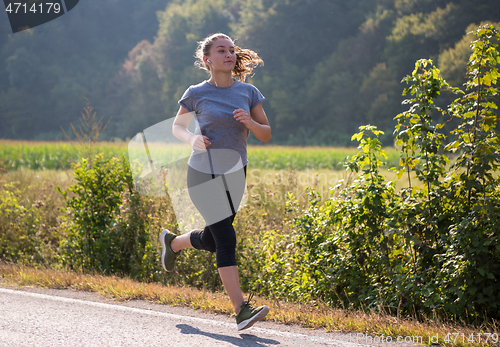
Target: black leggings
220,236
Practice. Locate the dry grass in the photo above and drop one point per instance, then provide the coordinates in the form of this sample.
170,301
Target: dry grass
124,289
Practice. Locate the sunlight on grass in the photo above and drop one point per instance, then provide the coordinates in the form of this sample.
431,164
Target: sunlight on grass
319,316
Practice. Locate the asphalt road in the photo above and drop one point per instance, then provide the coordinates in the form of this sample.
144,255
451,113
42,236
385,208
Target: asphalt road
38,317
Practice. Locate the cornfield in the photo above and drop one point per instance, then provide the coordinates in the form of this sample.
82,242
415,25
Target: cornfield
32,155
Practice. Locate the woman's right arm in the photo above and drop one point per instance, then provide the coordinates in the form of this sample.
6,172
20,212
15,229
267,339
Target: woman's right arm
180,130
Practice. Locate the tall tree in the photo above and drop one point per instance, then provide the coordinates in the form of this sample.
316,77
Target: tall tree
156,74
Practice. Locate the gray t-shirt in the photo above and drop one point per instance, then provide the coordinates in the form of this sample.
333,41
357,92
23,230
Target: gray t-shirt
213,110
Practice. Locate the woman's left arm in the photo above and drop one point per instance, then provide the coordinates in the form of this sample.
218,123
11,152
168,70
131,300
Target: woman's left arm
256,122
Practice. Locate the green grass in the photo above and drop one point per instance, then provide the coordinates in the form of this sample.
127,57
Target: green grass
37,155
60,155
303,158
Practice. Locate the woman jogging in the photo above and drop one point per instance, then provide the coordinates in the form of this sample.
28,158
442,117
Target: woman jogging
226,109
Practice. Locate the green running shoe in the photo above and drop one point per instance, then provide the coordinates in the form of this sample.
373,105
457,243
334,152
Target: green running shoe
250,315
168,256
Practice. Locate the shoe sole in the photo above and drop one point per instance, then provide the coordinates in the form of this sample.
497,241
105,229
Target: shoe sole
162,240
252,320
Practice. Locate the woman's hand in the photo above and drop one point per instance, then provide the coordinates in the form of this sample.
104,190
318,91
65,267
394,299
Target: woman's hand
242,116
199,142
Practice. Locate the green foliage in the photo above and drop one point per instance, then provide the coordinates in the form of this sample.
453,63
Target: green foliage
16,155
322,76
15,220
453,61
473,183
42,87
28,221
336,249
106,221
431,248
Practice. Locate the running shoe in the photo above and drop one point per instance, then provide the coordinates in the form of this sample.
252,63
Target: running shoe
250,315
168,256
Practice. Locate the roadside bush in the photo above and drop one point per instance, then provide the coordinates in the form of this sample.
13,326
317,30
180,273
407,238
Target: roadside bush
431,248
106,221
29,230
15,243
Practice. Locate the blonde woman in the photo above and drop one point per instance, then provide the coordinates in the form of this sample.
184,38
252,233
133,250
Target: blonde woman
226,109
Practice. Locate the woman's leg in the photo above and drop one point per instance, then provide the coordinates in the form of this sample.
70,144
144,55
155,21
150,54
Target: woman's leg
214,203
183,241
199,238
219,236
224,236
231,280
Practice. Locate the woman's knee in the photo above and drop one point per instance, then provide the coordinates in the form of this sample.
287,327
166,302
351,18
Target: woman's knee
202,239
229,242
225,240
226,256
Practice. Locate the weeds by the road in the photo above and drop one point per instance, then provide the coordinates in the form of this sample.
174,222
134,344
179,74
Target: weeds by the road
318,316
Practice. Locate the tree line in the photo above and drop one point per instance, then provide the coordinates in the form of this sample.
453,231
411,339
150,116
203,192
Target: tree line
330,66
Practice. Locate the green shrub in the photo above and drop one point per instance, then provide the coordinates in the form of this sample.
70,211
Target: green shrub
336,249
107,221
17,241
431,248
28,225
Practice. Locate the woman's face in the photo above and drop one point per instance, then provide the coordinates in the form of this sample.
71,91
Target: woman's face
222,55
